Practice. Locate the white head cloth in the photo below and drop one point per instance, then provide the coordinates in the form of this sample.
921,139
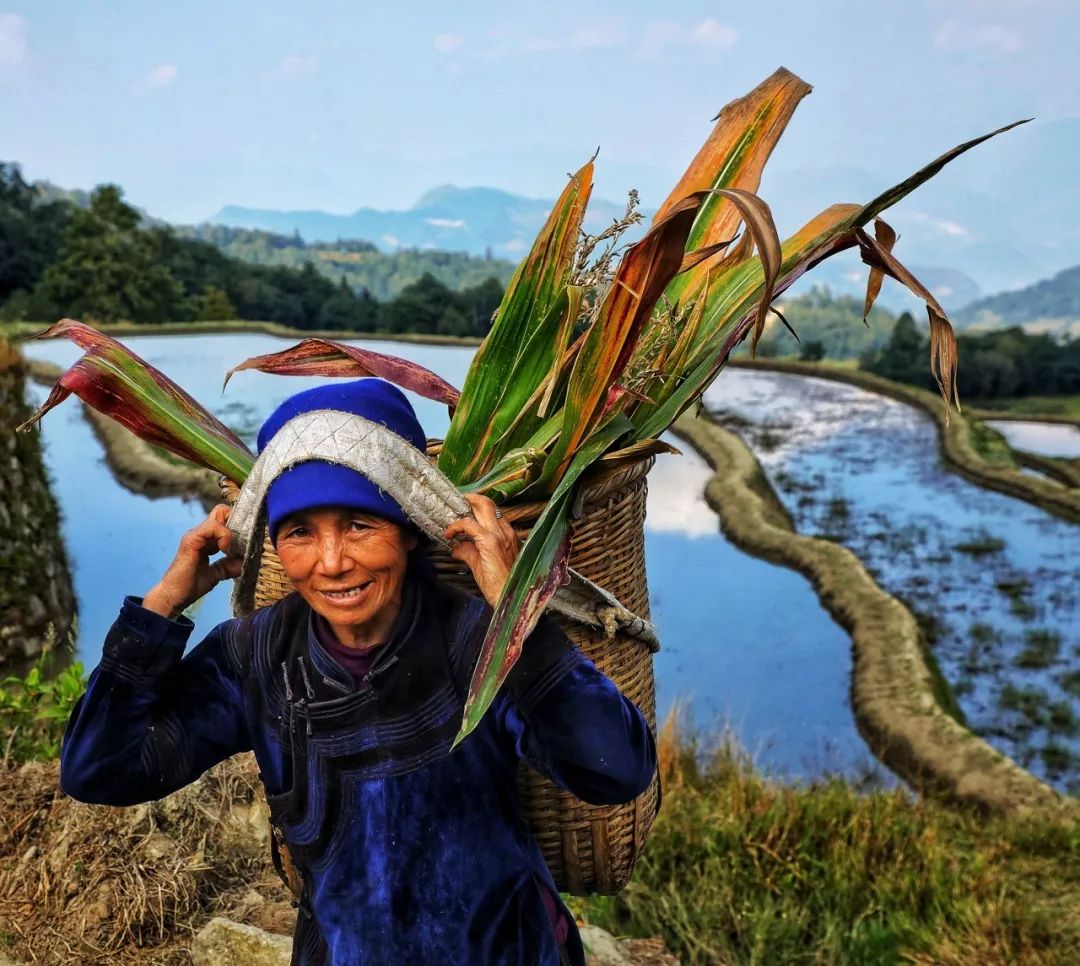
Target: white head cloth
425,494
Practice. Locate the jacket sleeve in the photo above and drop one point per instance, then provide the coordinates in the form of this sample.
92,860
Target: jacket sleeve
570,722
151,720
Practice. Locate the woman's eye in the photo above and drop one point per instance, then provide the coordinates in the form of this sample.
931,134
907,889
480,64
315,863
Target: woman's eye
296,532
357,525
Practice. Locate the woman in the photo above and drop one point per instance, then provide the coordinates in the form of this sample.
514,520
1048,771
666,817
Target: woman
350,692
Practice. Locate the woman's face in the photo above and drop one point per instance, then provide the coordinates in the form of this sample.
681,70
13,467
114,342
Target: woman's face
350,568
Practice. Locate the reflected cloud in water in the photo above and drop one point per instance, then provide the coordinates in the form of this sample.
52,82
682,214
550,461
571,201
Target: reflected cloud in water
676,495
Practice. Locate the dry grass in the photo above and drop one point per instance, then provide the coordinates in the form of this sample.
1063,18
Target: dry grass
94,884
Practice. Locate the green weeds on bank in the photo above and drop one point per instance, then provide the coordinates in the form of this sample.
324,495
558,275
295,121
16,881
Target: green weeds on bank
34,707
742,870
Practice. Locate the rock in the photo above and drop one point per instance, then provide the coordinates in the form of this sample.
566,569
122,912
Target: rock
601,948
223,942
35,610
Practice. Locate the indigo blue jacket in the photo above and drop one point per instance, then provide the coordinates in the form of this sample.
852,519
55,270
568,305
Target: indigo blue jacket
410,853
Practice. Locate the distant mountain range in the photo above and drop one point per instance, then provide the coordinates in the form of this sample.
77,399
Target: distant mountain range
1051,305
481,221
492,223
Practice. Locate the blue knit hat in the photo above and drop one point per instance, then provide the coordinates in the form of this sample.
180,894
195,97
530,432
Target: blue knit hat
317,483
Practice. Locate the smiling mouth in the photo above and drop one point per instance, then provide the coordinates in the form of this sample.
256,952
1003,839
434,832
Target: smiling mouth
349,594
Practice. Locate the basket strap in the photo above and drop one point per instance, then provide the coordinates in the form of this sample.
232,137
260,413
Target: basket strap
425,494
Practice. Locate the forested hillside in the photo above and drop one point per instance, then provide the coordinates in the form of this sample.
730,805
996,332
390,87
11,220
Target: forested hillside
101,261
828,326
363,266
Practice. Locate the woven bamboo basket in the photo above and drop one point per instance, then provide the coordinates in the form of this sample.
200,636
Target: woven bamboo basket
589,848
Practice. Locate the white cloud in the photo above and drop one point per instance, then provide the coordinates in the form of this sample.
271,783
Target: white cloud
297,65
392,240
446,42
12,40
660,36
943,225
712,33
962,38
446,222
162,75
514,245
950,227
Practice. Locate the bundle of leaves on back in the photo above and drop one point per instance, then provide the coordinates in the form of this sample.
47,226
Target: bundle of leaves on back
590,355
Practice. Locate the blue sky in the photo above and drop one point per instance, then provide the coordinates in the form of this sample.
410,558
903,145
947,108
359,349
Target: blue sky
334,105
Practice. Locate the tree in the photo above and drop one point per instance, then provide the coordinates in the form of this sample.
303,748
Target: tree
419,307
904,358
214,305
30,233
813,351
108,269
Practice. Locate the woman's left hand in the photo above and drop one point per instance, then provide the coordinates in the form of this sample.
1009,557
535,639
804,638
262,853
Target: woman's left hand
489,547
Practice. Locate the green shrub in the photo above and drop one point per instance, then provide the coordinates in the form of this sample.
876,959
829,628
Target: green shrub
34,708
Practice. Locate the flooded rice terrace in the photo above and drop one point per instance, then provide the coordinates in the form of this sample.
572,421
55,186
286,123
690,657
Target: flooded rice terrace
992,580
1046,439
745,643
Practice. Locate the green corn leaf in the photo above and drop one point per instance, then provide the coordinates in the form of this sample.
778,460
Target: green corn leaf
114,381
512,474
537,573
521,347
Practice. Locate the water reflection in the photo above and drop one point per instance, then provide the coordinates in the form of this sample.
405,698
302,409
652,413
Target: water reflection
993,579
1047,439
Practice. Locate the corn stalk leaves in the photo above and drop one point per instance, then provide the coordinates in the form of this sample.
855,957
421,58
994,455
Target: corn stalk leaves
521,346
116,382
512,474
538,571
323,357
733,299
943,354
759,222
734,156
886,239
743,138
640,279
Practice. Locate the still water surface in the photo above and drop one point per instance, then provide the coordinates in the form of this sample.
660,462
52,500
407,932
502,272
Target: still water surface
996,581
1047,439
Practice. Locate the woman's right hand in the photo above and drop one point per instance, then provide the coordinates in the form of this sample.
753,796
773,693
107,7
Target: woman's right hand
191,575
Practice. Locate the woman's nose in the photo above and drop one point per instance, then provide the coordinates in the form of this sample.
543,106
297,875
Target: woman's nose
332,556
